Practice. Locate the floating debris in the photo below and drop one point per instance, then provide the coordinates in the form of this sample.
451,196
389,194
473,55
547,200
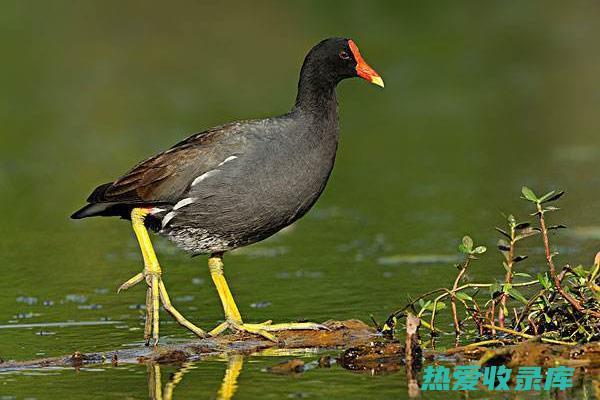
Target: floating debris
45,333
48,303
197,281
137,306
90,306
299,274
76,298
101,290
26,315
184,299
261,304
27,300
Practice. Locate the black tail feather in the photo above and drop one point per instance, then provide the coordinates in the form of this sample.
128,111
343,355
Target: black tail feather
92,210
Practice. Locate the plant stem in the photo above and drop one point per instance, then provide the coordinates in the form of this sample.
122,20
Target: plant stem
555,277
528,336
508,277
453,300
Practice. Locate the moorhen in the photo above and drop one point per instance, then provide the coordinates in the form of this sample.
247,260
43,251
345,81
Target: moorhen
234,185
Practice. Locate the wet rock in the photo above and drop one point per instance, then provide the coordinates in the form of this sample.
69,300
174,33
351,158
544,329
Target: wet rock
171,357
376,357
325,362
523,354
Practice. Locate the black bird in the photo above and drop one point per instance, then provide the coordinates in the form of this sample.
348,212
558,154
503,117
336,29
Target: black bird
235,184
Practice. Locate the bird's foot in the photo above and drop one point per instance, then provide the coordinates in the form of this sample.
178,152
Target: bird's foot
264,329
155,295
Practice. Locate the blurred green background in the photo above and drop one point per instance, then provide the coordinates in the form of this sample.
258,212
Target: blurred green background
480,98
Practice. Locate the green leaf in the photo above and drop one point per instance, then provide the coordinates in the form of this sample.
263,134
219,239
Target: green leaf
463,249
495,288
522,225
546,196
580,271
553,227
544,281
515,294
502,231
528,194
526,233
523,274
463,296
552,196
440,306
480,250
467,242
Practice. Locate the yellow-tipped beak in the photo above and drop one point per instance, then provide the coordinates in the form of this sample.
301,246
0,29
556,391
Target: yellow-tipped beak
377,81
362,68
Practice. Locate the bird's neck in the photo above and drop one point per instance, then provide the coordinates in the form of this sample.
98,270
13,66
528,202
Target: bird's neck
316,95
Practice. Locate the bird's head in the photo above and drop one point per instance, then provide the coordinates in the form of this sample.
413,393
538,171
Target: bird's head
338,58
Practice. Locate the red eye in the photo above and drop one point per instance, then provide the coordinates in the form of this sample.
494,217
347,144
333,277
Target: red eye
344,55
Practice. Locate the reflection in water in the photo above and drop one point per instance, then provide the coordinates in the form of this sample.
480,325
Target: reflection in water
226,391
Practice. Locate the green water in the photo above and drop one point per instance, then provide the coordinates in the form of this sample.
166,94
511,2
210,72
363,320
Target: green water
480,98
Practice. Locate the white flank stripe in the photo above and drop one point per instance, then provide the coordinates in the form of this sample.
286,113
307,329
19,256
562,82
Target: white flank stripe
227,159
168,218
204,176
184,202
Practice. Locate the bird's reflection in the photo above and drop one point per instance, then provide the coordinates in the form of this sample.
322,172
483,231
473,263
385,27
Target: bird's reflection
226,391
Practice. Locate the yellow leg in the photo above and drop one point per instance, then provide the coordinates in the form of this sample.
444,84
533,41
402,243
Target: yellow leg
233,319
153,275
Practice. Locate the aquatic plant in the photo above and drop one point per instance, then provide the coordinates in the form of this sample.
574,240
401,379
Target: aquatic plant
560,307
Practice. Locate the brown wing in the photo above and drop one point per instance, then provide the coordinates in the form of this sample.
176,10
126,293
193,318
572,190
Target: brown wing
162,178
165,177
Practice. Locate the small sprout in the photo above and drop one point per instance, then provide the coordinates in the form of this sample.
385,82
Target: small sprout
466,246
